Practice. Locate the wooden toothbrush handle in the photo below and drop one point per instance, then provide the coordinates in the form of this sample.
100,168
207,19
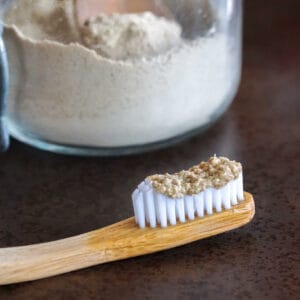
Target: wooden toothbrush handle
118,241
26,263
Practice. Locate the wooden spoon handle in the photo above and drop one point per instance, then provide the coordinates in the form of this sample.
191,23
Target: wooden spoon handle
118,241
90,8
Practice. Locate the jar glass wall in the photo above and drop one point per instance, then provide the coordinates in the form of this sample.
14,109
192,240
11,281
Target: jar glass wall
119,78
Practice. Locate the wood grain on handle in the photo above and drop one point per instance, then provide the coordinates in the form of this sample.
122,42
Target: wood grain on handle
118,241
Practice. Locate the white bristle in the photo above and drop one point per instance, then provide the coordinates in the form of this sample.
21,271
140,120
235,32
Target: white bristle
217,199
155,200
153,208
145,207
226,196
138,204
240,188
171,211
150,208
233,192
162,210
208,201
180,212
134,202
199,204
189,207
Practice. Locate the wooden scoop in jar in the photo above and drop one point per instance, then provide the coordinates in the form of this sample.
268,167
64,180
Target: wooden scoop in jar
197,17
86,9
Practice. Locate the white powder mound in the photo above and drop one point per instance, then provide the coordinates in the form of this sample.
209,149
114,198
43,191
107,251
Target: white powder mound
69,94
47,19
130,36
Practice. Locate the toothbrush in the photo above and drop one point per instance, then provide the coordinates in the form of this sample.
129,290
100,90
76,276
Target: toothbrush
197,216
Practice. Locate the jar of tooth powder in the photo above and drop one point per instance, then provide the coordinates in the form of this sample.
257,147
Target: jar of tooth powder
117,77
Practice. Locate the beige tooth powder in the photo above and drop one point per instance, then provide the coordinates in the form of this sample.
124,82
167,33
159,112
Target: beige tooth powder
215,173
86,89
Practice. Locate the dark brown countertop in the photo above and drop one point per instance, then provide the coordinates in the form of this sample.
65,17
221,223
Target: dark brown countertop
46,197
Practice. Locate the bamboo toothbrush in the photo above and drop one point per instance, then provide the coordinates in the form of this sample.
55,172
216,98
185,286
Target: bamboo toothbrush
161,200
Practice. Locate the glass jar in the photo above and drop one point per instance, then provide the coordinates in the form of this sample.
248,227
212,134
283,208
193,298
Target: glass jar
120,76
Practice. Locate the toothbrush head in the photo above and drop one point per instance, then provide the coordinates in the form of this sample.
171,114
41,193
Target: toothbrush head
205,189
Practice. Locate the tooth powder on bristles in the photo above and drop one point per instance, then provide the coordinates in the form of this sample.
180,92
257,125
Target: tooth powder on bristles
170,198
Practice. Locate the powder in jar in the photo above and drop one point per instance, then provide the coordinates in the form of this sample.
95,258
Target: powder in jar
67,89
130,36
